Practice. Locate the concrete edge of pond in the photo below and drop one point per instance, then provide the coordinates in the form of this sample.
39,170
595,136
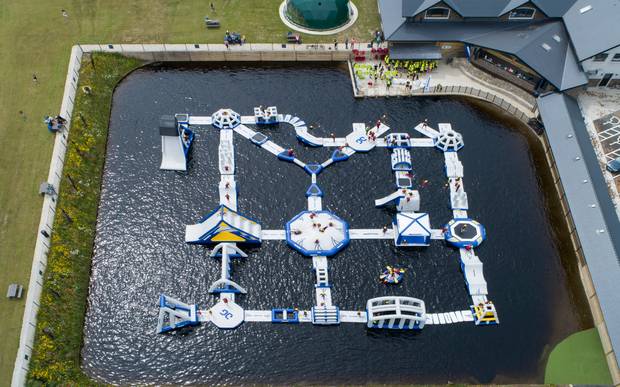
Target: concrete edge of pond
219,52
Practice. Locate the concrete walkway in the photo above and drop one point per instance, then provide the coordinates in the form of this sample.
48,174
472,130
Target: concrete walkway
446,76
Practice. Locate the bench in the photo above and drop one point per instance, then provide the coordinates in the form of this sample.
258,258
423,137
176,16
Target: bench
210,23
293,38
15,291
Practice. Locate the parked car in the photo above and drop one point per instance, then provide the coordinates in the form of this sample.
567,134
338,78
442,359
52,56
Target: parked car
614,165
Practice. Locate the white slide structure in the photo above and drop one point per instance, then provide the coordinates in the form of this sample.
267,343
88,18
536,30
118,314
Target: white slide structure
223,225
194,232
391,198
172,154
407,200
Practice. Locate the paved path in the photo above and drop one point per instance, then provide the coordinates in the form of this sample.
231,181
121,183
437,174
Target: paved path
447,75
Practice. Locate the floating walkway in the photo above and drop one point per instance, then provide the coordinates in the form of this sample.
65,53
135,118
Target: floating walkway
449,317
461,232
319,234
346,316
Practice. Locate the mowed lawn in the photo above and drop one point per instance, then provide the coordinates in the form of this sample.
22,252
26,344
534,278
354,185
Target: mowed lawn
36,39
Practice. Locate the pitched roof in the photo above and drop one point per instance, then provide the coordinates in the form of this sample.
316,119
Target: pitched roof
414,7
465,8
596,221
554,8
593,26
525,40
483,8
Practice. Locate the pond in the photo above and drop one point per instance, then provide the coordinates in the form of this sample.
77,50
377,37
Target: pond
140,250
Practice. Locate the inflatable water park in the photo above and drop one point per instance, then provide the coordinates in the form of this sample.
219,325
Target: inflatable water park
320,234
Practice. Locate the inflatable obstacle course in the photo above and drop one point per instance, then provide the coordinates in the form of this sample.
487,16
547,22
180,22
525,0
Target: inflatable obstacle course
318,233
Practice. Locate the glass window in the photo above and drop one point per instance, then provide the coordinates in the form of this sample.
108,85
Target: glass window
600,57
616,58
437,13
522,13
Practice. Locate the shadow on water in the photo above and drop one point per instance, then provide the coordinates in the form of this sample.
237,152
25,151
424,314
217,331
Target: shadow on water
140,253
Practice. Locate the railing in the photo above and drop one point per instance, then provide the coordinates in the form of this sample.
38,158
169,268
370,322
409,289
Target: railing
476,93
148,52
42,244
220,52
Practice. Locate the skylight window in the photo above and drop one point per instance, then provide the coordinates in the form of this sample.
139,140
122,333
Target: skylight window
557,38
523,13
546,47
437,13
585,9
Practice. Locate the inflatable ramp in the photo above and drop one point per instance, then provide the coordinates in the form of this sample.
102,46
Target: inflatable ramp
223,225
175,144
406,200
174,314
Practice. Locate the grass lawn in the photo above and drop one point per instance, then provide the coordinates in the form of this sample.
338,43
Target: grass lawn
55,358
36,39
578,359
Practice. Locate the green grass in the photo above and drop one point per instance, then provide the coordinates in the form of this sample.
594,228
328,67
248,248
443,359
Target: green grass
35,38
578,359
56,354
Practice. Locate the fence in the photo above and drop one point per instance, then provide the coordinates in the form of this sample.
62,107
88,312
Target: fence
39,263
582,264
147,52
478,94
219,52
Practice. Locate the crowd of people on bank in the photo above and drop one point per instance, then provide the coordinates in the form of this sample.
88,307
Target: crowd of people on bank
388,69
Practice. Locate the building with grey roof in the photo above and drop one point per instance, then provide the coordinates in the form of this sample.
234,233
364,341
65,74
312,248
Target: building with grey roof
546,47
540,45
595,222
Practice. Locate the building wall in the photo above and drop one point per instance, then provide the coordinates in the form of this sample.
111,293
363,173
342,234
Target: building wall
451,49
596,70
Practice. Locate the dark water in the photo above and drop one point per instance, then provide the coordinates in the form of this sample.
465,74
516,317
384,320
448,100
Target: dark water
140,251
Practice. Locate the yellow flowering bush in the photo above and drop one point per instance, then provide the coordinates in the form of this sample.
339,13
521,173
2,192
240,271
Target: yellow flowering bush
56,353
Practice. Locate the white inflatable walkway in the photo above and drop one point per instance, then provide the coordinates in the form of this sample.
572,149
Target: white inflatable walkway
226,152
472,270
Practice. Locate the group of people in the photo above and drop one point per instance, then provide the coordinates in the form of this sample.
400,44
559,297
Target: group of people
233,38
55,124
388,70
411,66
392,275
374,72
